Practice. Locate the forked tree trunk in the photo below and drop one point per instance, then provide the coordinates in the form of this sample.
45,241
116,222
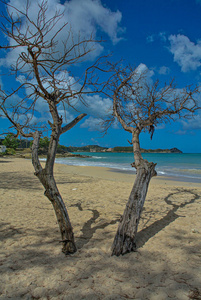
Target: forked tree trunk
46,177
125,238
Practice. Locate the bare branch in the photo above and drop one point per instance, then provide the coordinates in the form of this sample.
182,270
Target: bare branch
115,104
138,104
73,123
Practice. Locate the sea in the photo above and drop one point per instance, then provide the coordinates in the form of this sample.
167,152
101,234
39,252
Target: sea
180,166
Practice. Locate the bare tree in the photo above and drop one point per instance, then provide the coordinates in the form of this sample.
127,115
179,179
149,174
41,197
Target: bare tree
42,79
140,105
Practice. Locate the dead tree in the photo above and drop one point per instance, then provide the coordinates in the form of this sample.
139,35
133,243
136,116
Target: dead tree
41,78
140,105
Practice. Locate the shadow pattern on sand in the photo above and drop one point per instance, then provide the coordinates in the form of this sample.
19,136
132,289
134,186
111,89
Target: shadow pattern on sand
130,274
4,161
15,180
79,277
145,234
87,229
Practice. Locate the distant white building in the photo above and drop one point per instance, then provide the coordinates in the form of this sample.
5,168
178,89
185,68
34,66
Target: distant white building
2,148
92,150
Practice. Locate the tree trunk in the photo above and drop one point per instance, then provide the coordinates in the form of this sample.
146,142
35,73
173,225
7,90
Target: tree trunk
66,229
46,177
125,239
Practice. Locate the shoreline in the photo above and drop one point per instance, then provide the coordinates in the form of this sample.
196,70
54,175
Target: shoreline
127,176
118,174
163,177
179,172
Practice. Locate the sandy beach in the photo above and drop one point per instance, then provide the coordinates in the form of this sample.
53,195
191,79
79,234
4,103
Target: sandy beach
167,264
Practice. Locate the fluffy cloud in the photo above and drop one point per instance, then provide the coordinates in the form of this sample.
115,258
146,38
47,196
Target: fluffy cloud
96,106
84,15
98,109
67,116
150,38
32,119
162,36
145,72
164,70
93,104
186,53
93,124
192,124
84,18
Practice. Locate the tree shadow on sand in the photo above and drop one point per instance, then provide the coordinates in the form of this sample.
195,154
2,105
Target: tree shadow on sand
87,229
38,254
145,234
16,181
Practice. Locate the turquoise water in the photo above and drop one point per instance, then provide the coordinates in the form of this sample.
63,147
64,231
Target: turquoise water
168,164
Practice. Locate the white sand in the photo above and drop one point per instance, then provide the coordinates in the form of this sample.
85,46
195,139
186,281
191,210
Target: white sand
167,264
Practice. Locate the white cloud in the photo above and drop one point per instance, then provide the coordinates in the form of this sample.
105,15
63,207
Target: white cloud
192,124
95,141
164,70
150,38
83,15
98,109
32,119
66,115
93,124
145,73
15,100
163,36
180,132
142,68
93,105
97,106
85,18
186,53
159,127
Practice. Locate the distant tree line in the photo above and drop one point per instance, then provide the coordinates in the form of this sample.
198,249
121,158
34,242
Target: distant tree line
11,142
123,149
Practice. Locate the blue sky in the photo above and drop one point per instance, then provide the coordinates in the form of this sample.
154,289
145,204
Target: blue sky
164,35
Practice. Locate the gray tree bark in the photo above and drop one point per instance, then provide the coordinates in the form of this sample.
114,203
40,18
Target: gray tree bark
125,238
46,177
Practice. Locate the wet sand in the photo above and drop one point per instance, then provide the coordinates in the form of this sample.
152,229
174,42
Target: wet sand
167,264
